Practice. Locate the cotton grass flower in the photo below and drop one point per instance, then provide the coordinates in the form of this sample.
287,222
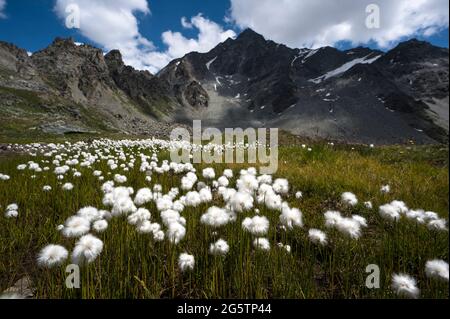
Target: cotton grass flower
261,243
258,225
281,186
67,187
241,202
437,269
215,217
360,220
390,212
205,195
349,227
90,213
219,248
139,216
291,217
228,173
405,286
120,179
438,224
349,199
223,181
176,233
143,196
368,205
87,249
100,226
144,227
317,236
385,189
186,262
52,255
12,211
192,199
76,226
208,173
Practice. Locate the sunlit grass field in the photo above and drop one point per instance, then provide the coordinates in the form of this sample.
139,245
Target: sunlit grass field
133,265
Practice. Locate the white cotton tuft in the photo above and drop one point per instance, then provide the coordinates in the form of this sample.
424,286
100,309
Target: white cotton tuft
219,248
258,225
241,202
186,262
76,226
87,249
100,226
281,186
176,233
349,227
385,189
247,183
437,268
388,211
291,217
317,236
164,203
192,199
360,220
368,205
348,198
90,213
139,216
261,243
223,181
405,286
143,196
205,195
208,173
228,173
67,186
215,217
52,255
438,224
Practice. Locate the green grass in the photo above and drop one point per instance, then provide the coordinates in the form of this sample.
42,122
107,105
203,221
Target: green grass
134,266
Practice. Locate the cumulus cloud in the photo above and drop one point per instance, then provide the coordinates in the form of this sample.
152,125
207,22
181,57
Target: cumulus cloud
209,35
2,7
113,24
177,45
315,23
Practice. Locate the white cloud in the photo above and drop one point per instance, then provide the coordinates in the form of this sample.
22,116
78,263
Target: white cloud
210,34
113,24
315,23
2,7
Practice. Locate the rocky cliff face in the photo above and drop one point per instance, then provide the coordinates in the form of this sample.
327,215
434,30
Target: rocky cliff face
70,88
147,91
357,95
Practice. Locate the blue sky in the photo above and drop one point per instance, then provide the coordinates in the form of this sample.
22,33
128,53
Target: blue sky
33,24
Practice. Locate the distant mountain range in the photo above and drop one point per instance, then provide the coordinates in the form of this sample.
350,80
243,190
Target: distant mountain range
357,95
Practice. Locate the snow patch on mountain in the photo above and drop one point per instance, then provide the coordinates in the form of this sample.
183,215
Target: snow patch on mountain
344,68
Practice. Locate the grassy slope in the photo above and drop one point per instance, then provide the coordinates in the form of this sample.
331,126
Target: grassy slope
132,265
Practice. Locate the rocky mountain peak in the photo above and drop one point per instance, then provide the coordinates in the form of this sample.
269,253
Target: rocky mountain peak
250,35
